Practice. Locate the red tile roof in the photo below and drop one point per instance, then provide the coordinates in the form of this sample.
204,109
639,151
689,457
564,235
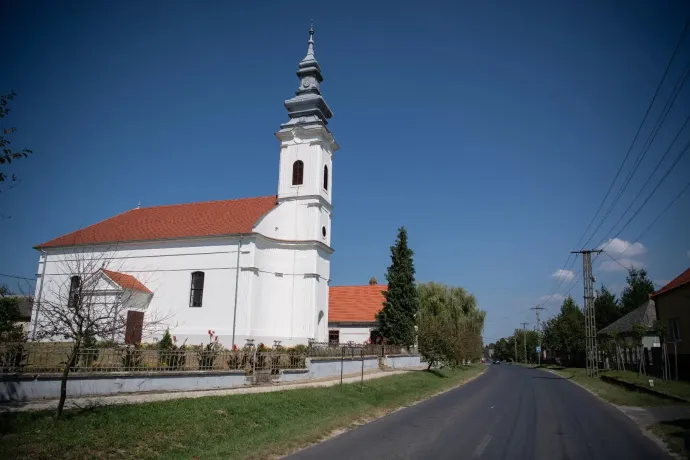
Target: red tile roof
126,281
680,280
210,218
355,303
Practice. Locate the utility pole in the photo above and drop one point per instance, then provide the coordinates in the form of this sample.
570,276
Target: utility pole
536,310
515,343
590,317
524,339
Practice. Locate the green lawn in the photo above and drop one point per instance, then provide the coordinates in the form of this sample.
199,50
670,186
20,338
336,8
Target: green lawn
678,389
674,434
608,391
237,427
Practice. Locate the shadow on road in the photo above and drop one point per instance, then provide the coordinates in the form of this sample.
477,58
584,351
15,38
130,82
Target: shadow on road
552,377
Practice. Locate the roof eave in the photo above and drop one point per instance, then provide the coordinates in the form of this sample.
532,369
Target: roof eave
181,238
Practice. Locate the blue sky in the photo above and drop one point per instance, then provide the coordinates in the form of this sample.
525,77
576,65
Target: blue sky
491,130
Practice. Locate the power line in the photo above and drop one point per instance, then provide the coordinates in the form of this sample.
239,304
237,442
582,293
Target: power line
639,129
17,277
654,171
661,181
650,139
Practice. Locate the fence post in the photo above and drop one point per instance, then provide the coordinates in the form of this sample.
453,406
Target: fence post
342,357
254,366
361,355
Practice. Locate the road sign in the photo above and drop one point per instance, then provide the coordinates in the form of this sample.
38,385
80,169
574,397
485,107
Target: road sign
538,349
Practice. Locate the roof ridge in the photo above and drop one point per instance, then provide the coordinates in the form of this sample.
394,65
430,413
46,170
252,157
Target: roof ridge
201,202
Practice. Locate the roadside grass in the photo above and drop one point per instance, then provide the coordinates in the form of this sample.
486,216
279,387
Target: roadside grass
676,435
609,392
673,388
250,426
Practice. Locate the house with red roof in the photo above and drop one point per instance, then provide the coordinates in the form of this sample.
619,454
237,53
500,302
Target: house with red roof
352,313
673,308
250,269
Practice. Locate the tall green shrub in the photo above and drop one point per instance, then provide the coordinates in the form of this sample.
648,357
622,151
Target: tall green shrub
398,317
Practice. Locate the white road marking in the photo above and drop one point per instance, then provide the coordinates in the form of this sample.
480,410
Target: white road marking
480,448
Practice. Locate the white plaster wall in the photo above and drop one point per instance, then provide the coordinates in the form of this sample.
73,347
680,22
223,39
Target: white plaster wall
353,334
297,219
314,147
165,268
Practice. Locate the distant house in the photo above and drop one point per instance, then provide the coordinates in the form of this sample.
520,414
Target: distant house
352,312
645,315
673,308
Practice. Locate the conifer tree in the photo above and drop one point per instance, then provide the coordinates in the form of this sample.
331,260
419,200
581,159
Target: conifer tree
398,318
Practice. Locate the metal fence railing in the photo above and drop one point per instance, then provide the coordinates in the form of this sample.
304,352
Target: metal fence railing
333,350
42,358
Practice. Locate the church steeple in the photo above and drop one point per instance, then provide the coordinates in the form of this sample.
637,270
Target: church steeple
308,107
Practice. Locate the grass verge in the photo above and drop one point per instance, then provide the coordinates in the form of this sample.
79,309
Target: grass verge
676,435
612,393
677,389
240,427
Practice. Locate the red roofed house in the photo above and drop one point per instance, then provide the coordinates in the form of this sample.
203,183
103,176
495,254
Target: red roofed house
673,307
352,312
254,268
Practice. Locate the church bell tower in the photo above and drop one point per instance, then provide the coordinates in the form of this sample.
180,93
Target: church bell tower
306,153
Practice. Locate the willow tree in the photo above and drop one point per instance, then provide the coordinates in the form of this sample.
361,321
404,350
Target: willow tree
450,325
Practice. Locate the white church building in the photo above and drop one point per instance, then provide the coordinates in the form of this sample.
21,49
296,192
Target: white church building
252,268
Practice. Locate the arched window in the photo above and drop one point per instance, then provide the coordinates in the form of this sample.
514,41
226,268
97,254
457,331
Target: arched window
325,177
74,290
297,172
197,291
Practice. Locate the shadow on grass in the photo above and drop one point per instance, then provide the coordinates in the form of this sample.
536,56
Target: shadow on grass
548,366
678,432
437,373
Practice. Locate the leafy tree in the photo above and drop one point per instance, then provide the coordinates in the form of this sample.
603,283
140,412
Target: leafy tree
637,290
503,350
7,154
397,318
450,325
9,314
4,290
606,308
565,333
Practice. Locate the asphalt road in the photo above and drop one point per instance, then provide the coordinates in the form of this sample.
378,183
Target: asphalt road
511,412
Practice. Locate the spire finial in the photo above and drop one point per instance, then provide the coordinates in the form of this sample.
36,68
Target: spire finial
310,51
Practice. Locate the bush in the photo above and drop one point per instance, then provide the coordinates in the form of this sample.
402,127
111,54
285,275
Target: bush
207,354
131,357
169,354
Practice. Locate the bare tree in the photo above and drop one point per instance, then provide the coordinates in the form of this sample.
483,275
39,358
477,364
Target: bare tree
88,299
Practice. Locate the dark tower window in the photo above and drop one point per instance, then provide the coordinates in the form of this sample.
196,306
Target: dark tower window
74,288
197,291
325,177
297,172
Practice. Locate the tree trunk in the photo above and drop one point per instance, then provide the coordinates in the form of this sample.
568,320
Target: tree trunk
63,381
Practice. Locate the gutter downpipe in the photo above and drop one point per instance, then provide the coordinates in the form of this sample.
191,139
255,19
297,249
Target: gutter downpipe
40,293
237,288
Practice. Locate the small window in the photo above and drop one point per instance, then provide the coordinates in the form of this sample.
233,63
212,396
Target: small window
675,330
197,291
325,177
74,289
298,173
334,337
323,231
